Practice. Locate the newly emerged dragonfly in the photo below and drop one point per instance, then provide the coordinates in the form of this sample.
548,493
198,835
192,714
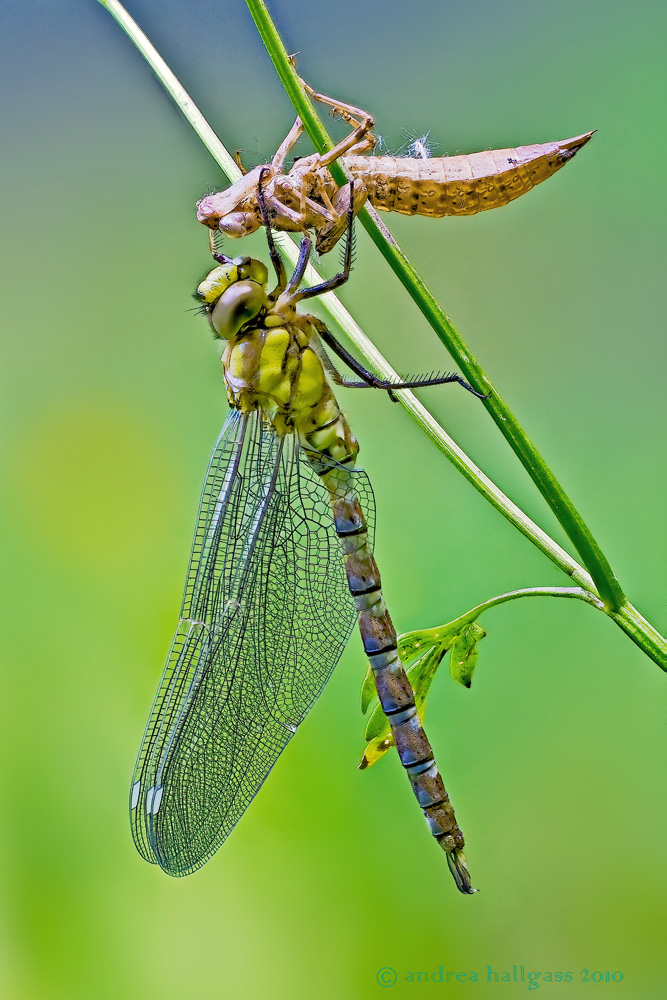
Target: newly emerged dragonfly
269,603
307,197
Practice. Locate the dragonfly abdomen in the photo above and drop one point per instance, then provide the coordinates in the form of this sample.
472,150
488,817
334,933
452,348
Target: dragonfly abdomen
393,687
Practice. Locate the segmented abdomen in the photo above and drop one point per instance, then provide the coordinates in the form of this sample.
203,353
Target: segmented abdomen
393,687
460,185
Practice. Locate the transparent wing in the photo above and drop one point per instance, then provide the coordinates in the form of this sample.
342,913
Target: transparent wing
265,618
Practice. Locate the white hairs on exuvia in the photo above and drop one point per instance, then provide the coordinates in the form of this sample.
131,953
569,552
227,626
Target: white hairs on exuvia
416,146
419,147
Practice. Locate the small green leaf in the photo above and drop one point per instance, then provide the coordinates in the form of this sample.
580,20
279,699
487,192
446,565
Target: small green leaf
421,675
464,653
378,737
368,692
376,748
411,644
377,725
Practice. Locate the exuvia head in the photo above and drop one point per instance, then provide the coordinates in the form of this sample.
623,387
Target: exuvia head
233,211
233,294
231,223
238,224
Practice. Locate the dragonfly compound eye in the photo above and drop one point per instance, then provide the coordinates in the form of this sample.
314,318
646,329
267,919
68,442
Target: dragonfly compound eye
236,307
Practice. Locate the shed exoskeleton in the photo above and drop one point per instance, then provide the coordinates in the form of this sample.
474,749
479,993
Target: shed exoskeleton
307,197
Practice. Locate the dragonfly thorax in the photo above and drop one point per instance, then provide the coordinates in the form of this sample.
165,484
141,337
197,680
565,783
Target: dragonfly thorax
273,366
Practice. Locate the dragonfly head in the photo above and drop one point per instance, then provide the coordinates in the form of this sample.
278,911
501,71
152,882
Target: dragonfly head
233,294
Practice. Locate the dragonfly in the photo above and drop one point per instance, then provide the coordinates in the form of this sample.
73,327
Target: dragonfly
281,570
307,197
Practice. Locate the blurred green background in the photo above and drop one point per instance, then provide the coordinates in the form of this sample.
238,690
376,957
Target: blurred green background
112,399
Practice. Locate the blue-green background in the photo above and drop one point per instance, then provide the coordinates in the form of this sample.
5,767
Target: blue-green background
112,399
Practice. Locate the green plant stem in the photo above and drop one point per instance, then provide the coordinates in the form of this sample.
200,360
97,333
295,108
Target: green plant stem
174,88
642,633
627,617
576,593
565,511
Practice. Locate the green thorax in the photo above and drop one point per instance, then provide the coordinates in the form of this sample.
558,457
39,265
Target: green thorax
272,360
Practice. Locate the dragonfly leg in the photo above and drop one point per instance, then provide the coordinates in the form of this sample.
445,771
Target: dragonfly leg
318,210
220,258
284,189
279,209
304,253
322,211
297,274
278,161
371,381
368,379
361,121
338,279
306,180
367,145
323,194
419,381
328,235
276,259
239,161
